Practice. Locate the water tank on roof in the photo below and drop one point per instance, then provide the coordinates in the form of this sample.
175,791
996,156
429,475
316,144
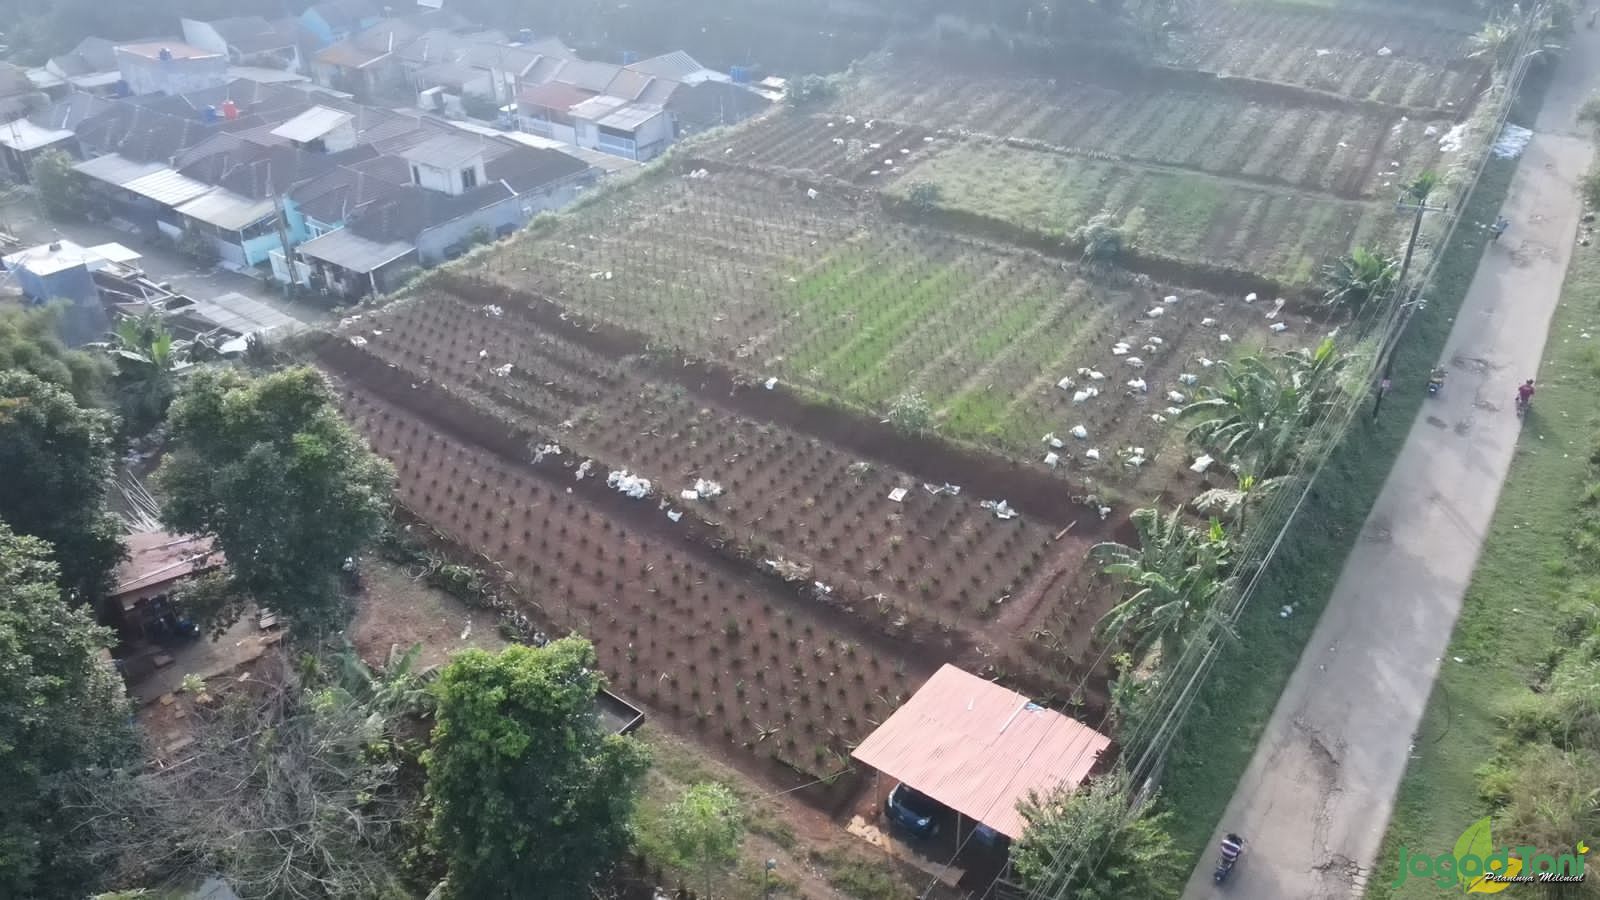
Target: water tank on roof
209,115
230,110
121,88
525,35
739,74
165,55
629,57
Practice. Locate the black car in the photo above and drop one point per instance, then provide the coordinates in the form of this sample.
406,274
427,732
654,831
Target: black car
912,812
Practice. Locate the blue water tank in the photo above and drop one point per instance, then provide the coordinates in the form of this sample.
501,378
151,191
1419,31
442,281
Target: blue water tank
629,57
121,88
165,55
525,35
209,115
740,74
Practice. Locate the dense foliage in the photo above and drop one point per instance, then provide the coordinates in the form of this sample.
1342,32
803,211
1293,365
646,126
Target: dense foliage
56,457
60,189
63,721
28,342
267,467
706,827
531,797
1085,844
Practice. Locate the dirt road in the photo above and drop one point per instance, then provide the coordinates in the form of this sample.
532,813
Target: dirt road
1316,799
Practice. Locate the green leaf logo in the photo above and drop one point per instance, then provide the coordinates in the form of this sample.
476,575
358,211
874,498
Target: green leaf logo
1476,841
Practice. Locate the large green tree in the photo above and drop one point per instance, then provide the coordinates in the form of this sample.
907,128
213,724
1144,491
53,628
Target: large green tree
142,350
63,723
28,341
56,459
266,466
531,797
1087,845
1263,409
61,190
1171,580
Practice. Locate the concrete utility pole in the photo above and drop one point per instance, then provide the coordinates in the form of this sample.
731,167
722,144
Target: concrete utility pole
1412,201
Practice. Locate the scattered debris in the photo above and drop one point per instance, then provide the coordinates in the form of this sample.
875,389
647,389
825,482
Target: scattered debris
1250,297
1385,51
483,354
1155,312
1278,327
502,371
1002,510
1139,385
1454,138
1120,349
770,383
946,488
1085,395
493,311
1052,459
1134,362
1512,141
1208,322
1277,307
358,340
1226,339
1170,298
1092,453
1176,397
1201,464
1080,432
787,570
1188,379
1066,384
631,485
543,450
674,515
583,469
811,193
1052,440
898,494
707,489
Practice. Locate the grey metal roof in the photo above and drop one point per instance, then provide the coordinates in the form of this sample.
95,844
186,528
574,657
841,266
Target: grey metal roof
450,150
629,117
116,169
227,210
167,187
312,124
596,108
587,74
351,251
22,135
676,65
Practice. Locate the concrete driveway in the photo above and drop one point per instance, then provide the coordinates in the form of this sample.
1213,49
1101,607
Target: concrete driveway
1315,802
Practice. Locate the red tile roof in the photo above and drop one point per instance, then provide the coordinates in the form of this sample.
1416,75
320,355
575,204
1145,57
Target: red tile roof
979,748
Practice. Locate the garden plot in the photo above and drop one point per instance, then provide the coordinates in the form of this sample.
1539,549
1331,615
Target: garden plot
910,557
1338,151
714,650
870,311
842,146
1190,218
1339,51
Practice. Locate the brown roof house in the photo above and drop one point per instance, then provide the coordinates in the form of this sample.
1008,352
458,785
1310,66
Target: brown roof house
158,562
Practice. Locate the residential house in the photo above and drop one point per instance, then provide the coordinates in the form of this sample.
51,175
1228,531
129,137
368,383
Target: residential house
157,563
335,20
711,103
464,187
636,131
240,214
91,66
366,63
677,66
320,129
18,94
247,40
161,67
22,141
546,109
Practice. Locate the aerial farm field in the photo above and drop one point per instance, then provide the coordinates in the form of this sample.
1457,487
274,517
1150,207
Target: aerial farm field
747,420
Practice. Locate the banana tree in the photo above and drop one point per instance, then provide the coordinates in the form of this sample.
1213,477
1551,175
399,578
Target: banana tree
142,350
1257,416
1357,279
1170,580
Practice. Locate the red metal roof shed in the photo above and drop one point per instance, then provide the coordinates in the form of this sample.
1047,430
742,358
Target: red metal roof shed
979,748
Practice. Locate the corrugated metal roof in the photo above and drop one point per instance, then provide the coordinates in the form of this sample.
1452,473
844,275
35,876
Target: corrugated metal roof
116,169
22,135
451,149
157,557
167,187
312,124
979,748
227,210
597,108
676,65
629,118
554,95
351,251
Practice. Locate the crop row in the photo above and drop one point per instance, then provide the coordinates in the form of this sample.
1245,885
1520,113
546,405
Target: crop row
842,146
1189,217
1330,150
714,651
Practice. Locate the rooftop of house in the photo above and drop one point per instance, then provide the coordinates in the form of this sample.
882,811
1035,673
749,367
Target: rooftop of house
335,196
159,557
314,123
526,169
554,95
255,34
453,150
345,14
587,74
152,50
677,66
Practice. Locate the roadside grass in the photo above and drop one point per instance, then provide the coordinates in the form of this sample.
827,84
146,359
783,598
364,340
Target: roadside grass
1516,616
1168,214
1232,708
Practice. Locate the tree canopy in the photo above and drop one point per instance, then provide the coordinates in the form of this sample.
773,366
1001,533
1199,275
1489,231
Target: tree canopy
60,189
28,341
63,719
531,797
266,466
706,827
56,457
1085,844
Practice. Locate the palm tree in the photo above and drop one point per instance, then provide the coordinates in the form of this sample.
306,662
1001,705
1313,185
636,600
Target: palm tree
1236,503
1360,277
1172,579
1494,42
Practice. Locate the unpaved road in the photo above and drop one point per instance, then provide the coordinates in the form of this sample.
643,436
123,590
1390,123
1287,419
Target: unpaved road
1316,799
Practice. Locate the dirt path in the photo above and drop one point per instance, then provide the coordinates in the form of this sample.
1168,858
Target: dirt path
1316,799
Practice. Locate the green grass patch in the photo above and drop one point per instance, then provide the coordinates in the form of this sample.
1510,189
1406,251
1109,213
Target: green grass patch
1232,709
1518,613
